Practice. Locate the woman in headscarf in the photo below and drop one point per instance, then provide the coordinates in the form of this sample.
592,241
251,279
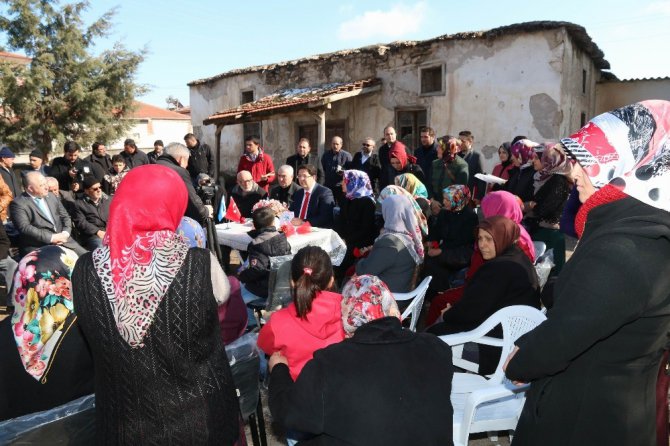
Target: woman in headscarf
507,277
495,203
501,170
398,250
551,187
45,360
148,308
401,162
357,216
333,396
593,363
192,232
418,212
521,176
453,241
448,168
411,184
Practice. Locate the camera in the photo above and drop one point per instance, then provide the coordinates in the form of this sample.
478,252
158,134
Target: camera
206,189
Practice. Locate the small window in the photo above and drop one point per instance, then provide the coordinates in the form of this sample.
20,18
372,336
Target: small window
583,81
432,80
247,96
408,126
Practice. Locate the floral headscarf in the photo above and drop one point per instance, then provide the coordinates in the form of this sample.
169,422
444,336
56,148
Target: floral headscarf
411,184
508,205
525,149
458,196
141,252
397,190
400,222
192,233
554,162
365,299
628,148
43,310
357,183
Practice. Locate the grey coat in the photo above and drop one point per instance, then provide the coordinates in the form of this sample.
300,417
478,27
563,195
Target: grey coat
392,262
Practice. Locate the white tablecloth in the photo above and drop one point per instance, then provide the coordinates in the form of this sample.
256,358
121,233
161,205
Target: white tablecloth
235,236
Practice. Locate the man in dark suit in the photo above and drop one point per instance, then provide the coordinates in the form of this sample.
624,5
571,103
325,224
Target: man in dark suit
303,155
283,192
313,203
368,162
40,218
91,213
477,187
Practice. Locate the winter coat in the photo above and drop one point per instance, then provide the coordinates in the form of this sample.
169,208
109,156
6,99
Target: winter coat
261,166
200,161
520,183
266,243
333,164
137,158
297,338
312,158
440,179
391,261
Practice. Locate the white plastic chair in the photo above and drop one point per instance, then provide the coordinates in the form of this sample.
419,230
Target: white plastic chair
492,403
415,306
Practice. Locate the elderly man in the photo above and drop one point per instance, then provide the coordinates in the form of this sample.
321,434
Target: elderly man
201,159
387,172
175,157
303,155
69,168
91,213
40,218
132,155
334,162
313,203
286,188
7,171
256,161
246,193
99,160
368,162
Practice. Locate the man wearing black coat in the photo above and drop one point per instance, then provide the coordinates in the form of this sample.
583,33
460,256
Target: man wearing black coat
134,157
69,168
175,157
7,171
246,193
284,190
201,159
99,160
426,153
368,162
474,160
90,214
303,155
334,162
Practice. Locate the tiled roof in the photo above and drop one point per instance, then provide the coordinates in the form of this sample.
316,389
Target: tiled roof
291,99
13,57
148,111
577,32
640,79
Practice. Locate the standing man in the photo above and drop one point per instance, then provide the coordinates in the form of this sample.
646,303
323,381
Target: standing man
36,161
99,160
426,153
474,160
201,159
334,162
368,162
256,161
40,217
158,151
133,156
387,172
283,192
312,202
69,168
303,155
91,212
7,171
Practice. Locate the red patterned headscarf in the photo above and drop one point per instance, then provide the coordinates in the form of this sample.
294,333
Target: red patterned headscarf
365,299
399,152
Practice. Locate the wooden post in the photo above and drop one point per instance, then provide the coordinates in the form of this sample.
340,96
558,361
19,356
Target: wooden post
217,135
321,133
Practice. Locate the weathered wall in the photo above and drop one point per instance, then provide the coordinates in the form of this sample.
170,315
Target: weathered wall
515,84
615,94
145,132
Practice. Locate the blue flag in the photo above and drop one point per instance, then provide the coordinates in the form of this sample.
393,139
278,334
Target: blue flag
222,209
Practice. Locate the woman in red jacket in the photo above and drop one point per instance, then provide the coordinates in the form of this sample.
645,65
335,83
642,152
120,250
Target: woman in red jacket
313,320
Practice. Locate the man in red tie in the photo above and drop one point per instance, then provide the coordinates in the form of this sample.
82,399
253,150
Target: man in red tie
313,203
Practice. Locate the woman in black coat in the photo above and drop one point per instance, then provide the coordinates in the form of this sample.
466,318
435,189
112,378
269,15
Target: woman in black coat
593,363
382,386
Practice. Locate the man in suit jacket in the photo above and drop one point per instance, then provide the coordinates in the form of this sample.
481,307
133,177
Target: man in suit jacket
368,162
40,218
313,203
304,155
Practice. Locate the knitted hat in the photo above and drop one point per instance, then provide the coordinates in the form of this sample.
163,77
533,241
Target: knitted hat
89,181
5,152
37,153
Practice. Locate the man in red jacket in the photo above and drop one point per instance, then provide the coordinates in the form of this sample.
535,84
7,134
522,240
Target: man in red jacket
256,161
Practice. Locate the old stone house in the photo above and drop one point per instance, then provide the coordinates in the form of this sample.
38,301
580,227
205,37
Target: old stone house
537,79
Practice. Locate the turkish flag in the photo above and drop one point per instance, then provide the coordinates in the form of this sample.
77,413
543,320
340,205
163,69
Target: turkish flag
233,212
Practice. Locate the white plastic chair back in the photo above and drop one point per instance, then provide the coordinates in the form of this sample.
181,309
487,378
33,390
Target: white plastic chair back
540,248
415,306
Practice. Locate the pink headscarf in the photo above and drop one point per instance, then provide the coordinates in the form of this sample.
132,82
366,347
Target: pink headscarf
506,204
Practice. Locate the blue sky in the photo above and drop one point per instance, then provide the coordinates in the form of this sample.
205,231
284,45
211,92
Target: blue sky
188,40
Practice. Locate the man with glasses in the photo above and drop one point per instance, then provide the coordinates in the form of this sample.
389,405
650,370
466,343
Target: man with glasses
313,202
368,162
246,193
303,155
284,191
90,214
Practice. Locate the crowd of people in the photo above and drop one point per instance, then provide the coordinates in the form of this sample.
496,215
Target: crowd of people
113,279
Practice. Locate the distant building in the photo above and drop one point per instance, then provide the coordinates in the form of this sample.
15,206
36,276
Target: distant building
613,93
152,123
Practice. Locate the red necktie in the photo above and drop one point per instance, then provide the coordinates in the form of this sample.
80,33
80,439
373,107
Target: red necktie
303,208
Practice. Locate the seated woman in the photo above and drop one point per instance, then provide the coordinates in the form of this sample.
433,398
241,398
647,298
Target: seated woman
411,184
53,364
454,238
520,181
501,170
551,190
506,278
398,250
339,401
419,213
357,216
401,162
312,321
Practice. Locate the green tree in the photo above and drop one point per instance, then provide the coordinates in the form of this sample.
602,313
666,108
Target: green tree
66,92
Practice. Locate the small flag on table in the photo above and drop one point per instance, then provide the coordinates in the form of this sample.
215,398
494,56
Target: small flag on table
233,212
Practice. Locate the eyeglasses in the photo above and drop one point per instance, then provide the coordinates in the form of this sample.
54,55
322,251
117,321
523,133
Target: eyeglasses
302,177
95,189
